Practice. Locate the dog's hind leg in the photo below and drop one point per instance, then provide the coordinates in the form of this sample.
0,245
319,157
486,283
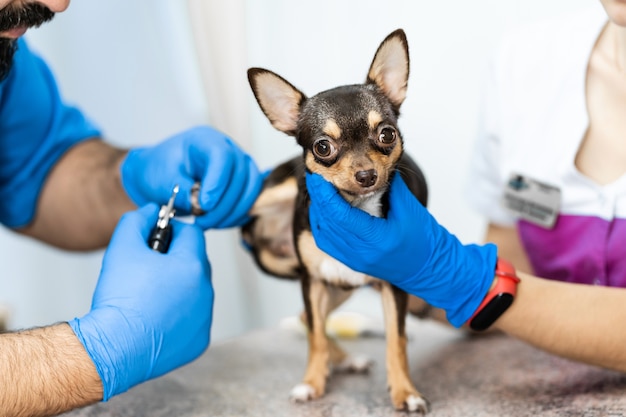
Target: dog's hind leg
339,358
316,302
422,310
336,297
404,395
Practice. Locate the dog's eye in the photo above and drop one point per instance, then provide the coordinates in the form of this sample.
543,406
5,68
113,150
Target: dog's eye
387,136
323,148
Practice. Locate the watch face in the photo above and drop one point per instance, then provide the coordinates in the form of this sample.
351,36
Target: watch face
490,313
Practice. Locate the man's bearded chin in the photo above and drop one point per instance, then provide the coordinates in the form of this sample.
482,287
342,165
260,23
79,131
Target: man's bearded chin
29,15
7,50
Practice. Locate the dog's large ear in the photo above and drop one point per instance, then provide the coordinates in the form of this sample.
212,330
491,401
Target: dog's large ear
390,67
279,100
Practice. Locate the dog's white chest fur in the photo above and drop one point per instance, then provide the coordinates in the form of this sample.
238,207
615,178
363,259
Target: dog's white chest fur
326,268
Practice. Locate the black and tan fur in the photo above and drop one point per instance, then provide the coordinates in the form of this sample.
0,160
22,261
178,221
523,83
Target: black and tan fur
350,136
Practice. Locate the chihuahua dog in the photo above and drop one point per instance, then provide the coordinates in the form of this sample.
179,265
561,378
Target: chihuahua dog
349,135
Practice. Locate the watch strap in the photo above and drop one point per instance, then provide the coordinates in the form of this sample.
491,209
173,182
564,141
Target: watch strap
498,299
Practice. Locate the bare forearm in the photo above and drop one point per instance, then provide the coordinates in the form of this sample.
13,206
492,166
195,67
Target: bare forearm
44,372
579,322
82,199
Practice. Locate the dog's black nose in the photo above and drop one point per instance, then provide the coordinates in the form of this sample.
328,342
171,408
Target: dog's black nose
366,178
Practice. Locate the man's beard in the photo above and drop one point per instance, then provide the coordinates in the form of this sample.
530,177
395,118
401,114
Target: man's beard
7,50
29,15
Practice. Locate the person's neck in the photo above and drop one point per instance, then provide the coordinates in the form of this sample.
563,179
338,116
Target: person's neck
618,41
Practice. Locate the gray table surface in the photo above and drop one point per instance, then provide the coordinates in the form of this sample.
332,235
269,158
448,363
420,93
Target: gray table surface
461,375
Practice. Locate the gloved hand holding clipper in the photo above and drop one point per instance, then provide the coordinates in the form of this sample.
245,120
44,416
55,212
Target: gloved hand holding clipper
229,179
151,312
407,248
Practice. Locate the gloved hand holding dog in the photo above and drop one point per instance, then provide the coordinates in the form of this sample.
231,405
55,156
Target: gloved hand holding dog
408,248
151,312
229,178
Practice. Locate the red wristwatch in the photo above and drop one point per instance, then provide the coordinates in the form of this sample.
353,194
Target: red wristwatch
498,299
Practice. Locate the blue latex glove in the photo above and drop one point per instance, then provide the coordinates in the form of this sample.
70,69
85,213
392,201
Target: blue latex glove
230,180
408,248
151,312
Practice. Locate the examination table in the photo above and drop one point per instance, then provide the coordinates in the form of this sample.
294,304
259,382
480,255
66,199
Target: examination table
460,374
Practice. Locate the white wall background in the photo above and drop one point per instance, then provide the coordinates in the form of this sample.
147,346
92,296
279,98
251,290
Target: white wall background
132,66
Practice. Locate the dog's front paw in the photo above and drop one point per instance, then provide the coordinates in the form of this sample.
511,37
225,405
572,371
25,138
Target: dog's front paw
358,364
416,403
410,401
302,393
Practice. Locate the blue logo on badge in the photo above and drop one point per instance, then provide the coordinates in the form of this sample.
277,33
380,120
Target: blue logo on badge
518,183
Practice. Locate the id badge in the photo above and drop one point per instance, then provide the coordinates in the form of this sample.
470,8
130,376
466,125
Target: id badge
532,200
